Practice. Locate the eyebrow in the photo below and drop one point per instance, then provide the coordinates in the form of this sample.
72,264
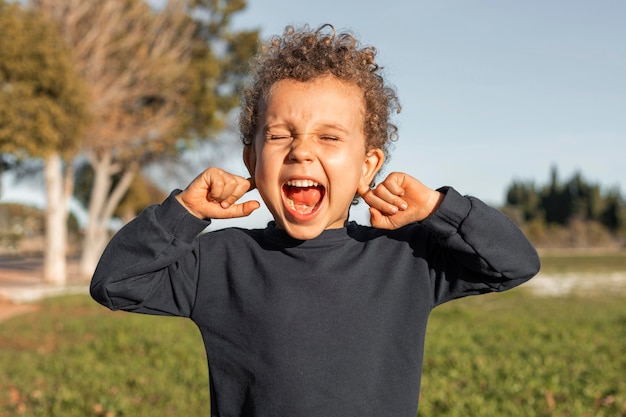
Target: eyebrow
334,126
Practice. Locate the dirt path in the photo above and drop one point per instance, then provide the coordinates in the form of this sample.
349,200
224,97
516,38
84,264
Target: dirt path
22,286
587,284
9,310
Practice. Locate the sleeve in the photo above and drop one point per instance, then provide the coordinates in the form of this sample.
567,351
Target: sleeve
478,249
151,265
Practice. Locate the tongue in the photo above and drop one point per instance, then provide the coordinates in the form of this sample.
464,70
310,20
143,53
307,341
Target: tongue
308,196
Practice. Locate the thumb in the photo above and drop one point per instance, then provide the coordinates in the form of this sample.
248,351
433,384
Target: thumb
380,221
241,210
376,218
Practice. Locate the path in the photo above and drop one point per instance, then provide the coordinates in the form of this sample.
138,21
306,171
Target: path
22,286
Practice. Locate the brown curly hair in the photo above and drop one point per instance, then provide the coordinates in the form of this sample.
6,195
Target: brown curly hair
304,54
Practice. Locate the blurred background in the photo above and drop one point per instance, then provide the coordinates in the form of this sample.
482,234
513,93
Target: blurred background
107,106
518,103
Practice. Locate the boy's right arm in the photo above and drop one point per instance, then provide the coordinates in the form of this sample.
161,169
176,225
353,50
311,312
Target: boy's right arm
213,195
150,266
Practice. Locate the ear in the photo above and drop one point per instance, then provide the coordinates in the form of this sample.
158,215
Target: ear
372,163
249,159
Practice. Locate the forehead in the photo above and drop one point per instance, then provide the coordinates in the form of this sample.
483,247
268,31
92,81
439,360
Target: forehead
323,98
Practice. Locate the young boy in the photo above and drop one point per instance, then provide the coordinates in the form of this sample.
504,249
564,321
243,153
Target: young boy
313,315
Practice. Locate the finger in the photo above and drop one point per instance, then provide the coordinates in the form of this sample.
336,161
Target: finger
216,189
242,209
373,200
362,190
228,186
390,196
241,187
252,182
395,183
375,217
378,220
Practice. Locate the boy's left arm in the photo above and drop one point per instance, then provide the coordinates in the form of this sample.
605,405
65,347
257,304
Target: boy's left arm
399,200
481,238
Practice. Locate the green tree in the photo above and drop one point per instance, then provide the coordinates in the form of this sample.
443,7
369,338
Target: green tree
613,215
576,208
525,197
554,200
219,65
42,114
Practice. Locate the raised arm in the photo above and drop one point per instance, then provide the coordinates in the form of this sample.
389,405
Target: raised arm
483,250
150,265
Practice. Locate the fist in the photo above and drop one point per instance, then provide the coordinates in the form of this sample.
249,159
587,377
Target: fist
214,194
399,200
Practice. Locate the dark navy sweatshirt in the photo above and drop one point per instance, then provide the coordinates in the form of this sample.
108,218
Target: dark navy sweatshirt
332,326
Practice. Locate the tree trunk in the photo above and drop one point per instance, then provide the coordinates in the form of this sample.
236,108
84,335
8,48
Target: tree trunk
102,205
55,265
1,175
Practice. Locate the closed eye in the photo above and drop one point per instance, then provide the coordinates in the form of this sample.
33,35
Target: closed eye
329,137
278,137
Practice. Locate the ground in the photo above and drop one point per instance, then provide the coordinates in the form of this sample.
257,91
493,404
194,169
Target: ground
22,286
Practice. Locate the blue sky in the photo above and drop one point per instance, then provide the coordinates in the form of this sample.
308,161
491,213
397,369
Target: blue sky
491,91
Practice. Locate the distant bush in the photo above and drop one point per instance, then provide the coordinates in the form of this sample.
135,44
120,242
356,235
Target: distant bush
18,222
570,213
21,223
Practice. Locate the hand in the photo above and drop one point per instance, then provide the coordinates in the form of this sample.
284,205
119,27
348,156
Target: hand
212,195
399,200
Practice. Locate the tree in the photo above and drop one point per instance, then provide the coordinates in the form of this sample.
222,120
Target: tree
42,115
154,81
524,196
614,214
134,61
141,193
579,210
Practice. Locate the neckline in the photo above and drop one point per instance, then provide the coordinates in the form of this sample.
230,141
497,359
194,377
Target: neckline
328,237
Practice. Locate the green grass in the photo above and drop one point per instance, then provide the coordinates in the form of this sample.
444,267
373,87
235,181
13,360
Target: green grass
583,261
499,355
75,358
513,354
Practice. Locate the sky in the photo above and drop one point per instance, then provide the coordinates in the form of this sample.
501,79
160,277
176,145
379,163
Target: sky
491,91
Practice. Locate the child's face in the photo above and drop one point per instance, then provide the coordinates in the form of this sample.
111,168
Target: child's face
309,154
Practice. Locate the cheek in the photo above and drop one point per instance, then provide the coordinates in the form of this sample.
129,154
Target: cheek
347,172
266,173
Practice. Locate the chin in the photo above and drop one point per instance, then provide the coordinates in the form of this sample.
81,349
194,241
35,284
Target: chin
303,232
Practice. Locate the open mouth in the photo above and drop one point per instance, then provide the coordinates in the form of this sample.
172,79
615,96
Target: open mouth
303,197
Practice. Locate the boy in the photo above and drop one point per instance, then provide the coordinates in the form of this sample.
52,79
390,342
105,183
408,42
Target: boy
313,315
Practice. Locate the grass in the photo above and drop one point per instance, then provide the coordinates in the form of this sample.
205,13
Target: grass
74,358
510,354
583,262
517,355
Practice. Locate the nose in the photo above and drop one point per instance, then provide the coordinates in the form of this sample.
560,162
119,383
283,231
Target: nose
301,149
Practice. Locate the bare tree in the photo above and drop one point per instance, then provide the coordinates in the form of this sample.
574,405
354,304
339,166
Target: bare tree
159,79
42,113
134,60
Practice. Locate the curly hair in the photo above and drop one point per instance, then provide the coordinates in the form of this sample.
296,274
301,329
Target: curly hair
305,54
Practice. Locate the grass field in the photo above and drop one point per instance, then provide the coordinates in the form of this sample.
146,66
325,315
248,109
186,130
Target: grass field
511,354
583,262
